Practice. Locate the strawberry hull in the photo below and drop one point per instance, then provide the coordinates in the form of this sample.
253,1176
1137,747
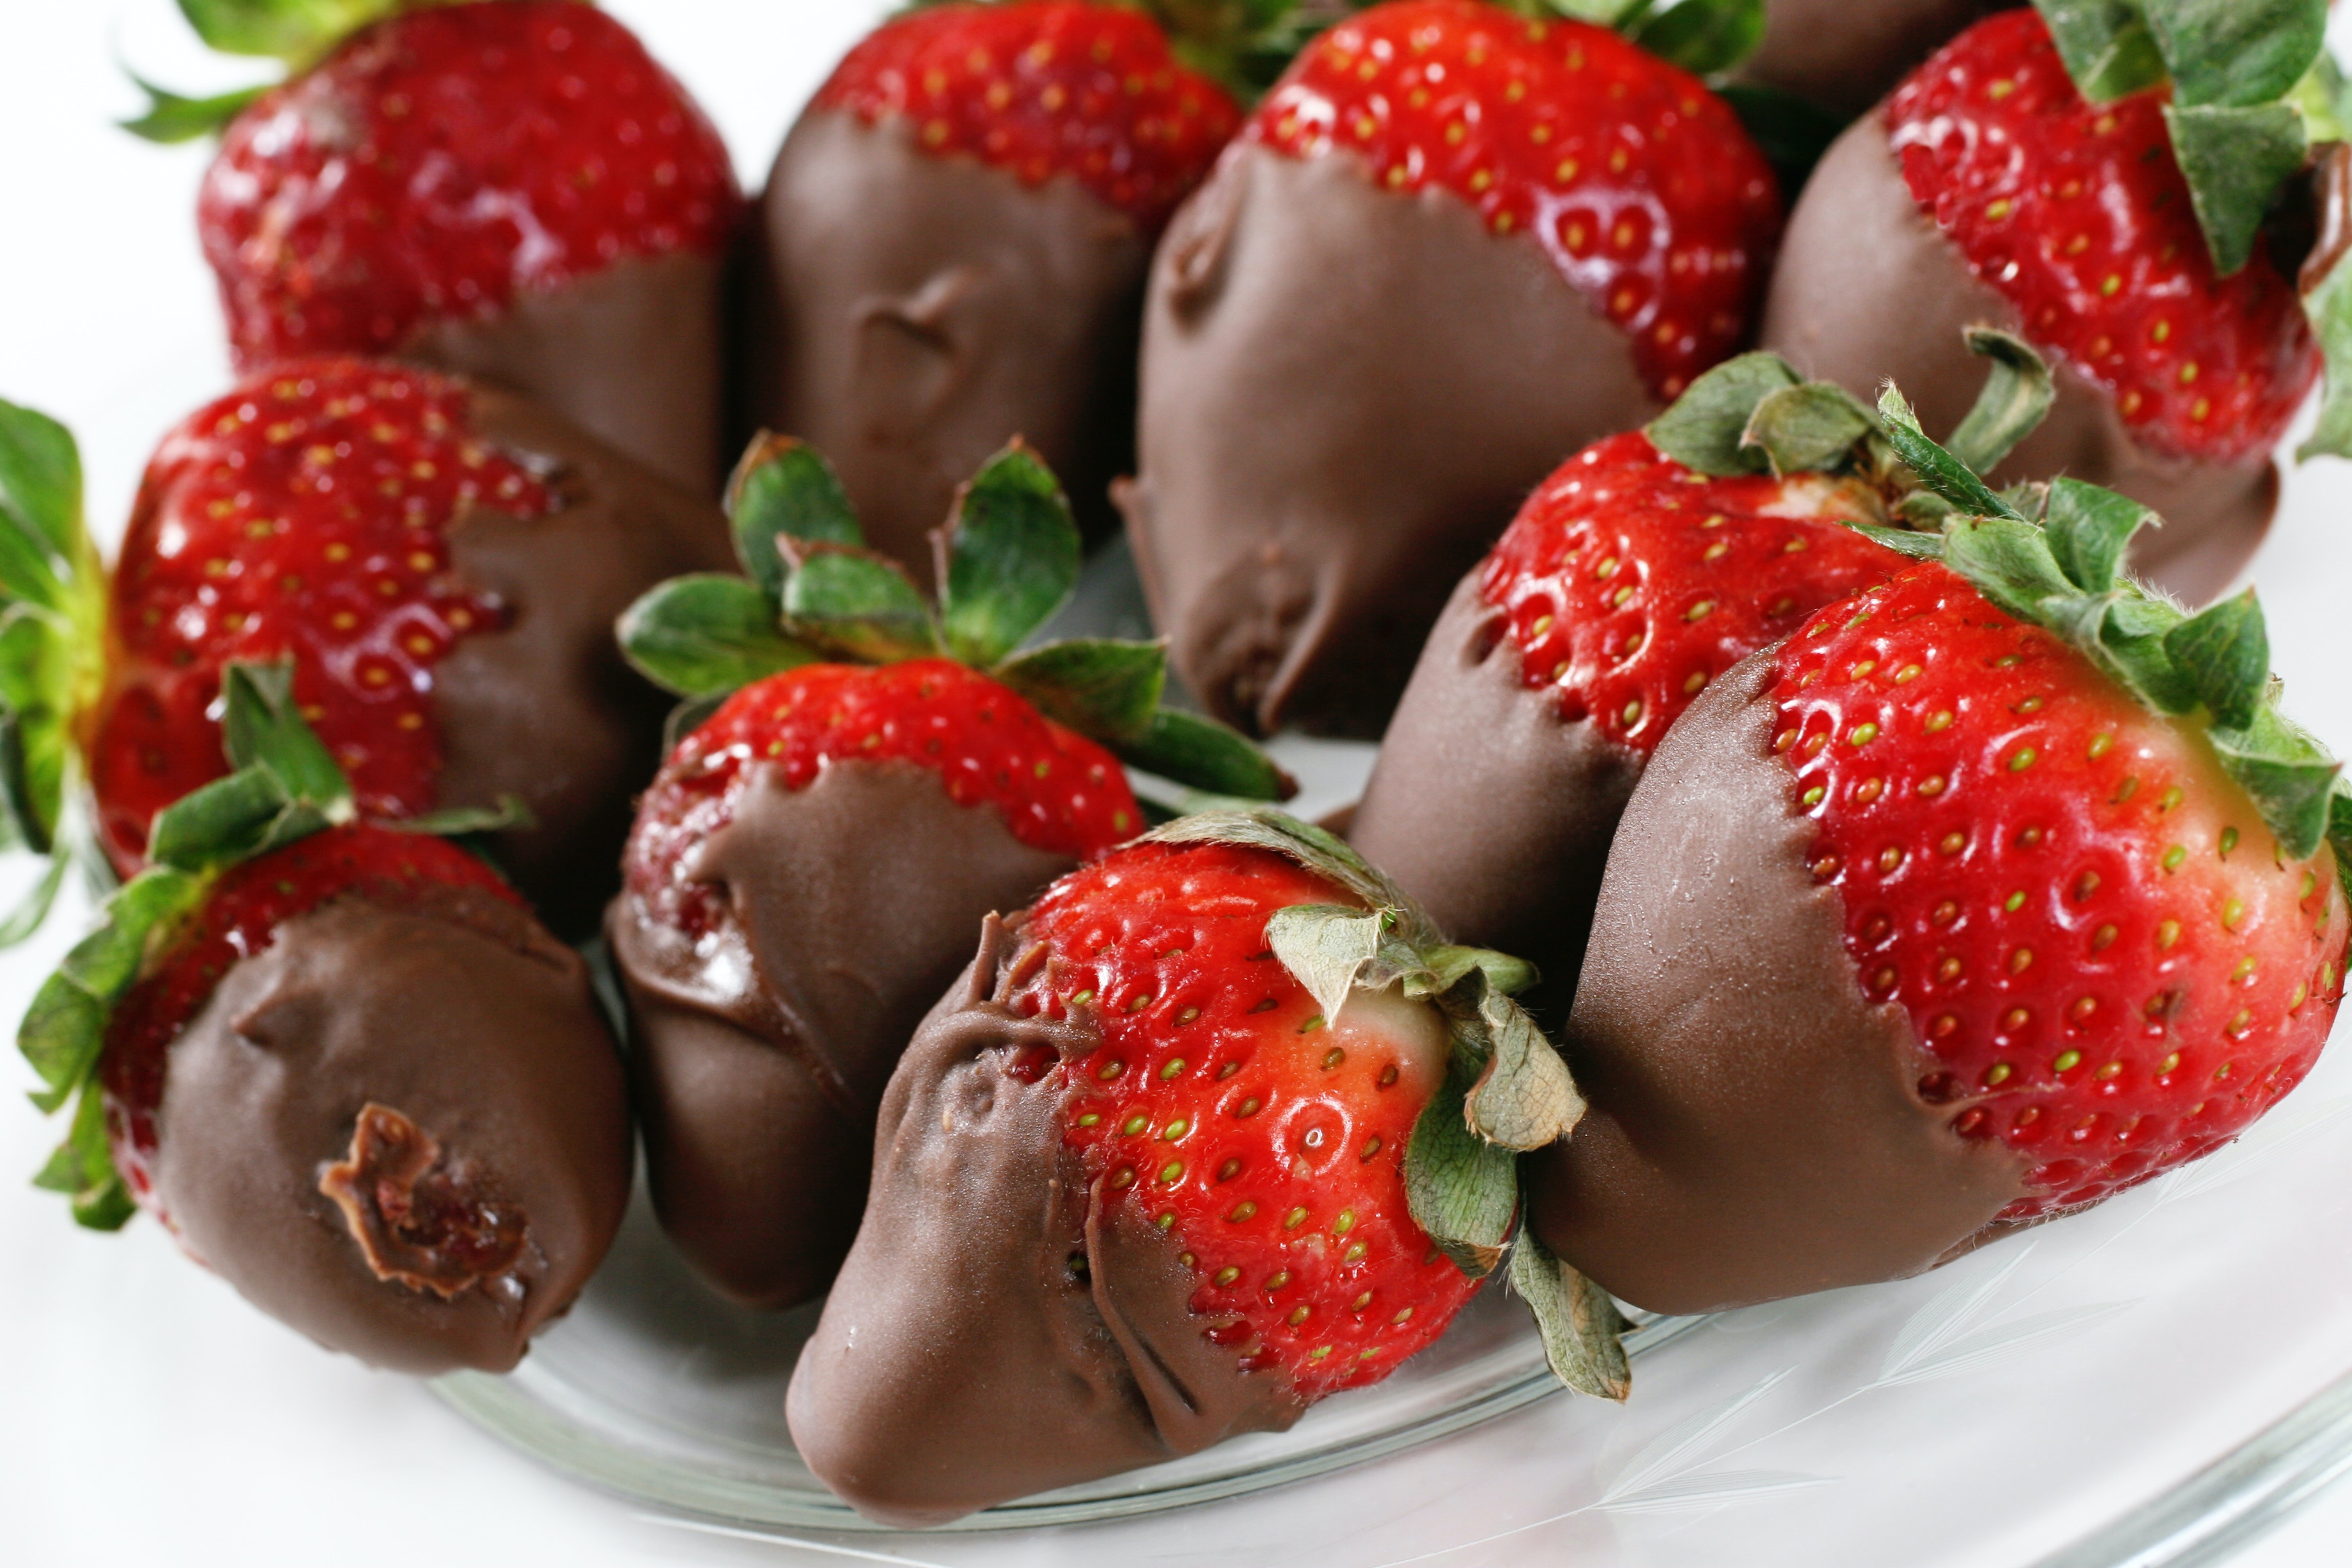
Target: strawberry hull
1345,395
1844,56
1869,290
1755,1128
763,1045
912,312
1014,1329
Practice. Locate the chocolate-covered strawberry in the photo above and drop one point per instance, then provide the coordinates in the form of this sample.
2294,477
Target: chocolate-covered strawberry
509,188
1844,54
441,562
1636,575
1219,1127
1452,246
1988,894
2118,224
808,868
342,1063
953,243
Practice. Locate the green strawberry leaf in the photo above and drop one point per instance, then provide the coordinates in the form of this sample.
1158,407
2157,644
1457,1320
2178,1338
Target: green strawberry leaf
2236,53
262,727
2017,393
2106,44
687,718
857,603
65,1028
1706,429
468,821
33,908
2009,561
40,485
707,635
1316,848
1610,14
783,486
2131,647
1704,36
229,821
1327,947
2235,160
2324,98
1903,541
296,31
1450,964
1790,133
1103,688
1942,473
2327,305
2089,529
1189,749
1582,1330
170,118
2225,654
82,1168
1461,1189
1011,557
1808,427
1524,1096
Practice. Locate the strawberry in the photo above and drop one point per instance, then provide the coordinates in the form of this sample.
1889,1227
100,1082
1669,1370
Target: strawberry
807,866
1842,57
342,1063
440,562
1220,1126
513,188
1631,581
956,232
1990,893
1991,187
1449,246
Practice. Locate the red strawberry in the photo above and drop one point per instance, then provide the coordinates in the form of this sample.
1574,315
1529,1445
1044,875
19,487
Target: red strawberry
1451,245
343,1064
955,235
441,562
514,189
807,867
1156,1170
1994,892
1987,188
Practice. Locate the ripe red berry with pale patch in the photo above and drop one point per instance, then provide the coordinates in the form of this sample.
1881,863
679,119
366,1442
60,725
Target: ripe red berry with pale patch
2086,921
1267,1140
1640,184
1056,790
304,516
442,162
1630,582
2078,215
238,920
1042,87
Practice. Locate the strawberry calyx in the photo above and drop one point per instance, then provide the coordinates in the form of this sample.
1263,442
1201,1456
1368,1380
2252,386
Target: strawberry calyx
300,32
2052,554
284,787
1007,560
1506,1091
1704,37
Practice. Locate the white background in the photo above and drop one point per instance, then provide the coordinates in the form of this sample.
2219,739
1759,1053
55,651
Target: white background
146,1416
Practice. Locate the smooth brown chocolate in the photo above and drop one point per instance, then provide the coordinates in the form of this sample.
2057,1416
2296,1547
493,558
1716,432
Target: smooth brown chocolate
544,709
1756,1129
403,1133
911,313
629,353
1345,395
1869,290
1002,1326
1845,55
761,1052
1489,807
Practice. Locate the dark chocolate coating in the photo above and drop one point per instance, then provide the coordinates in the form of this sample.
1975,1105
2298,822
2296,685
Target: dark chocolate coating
1345,395
1487,805
761,1053
1756,1129
912,313
1868,290
544,709
483,1033
1845,55
965,1357
628,352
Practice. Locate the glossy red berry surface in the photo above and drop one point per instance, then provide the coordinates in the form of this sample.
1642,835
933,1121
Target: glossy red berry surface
2078,215
1266,1140
1045,87
1640,184
240,918
1630,582
2106,962
303,516
443,161
1056,790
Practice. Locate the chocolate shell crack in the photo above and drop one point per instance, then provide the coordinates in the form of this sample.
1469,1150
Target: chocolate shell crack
421,1220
